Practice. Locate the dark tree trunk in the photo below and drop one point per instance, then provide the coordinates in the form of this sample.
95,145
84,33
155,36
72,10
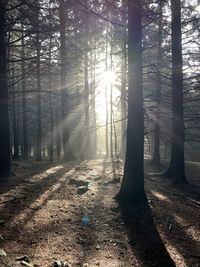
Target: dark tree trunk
51,122
111,104
93,107
86,102
50,99
123,103
156,143
14,117
24,106
68,155
39,122
132,187
176,169
5,149
58,130
106,96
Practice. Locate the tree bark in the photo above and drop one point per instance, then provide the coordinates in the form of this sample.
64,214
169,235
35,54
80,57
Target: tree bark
132,187
111,103
176,169
15,117
38,70
68,155
123,103
51,142
87,117
156,143
93,106
106,96
50,109
5,148
24,106
58,130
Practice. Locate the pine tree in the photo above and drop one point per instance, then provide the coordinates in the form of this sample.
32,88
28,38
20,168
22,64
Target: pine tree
5,155
132,187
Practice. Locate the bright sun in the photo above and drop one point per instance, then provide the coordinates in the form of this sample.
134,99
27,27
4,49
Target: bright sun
109,77
107,83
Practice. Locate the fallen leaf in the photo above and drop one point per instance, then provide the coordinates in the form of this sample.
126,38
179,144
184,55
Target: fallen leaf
2,252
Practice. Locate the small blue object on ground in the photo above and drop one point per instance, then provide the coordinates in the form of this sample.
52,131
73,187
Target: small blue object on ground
85,220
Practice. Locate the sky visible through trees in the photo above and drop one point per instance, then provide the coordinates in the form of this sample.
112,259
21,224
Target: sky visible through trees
85,48
107,80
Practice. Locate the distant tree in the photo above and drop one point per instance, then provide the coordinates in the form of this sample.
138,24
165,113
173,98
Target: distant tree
68,155
24,103
5,153
51,143
38,75
123,100
156,144
132,187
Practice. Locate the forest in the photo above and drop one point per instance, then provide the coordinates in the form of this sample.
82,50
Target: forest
99,133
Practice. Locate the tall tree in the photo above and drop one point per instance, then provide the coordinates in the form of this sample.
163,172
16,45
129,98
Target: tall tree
156,144
176,169
38,73
106,94
24,102
15,126
51,143
86,93
123,100
68,155
5,155
132,187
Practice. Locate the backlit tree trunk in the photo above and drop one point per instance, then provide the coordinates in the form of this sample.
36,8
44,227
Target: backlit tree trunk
38,70
123,103
106,95
176,170
50,106
132,187
86,102
64,92
24,105
156,143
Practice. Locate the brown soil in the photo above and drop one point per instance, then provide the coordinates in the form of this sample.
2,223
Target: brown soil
41,212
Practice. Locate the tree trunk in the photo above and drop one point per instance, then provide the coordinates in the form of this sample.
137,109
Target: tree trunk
106,96
176,169
132,187
24,106
58,131
14,117
93,106
68,155
5,149
111,104
86,102
123,104
39,122
156,143
50,98
50,118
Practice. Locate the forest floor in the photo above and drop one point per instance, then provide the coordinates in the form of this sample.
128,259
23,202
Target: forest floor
43,208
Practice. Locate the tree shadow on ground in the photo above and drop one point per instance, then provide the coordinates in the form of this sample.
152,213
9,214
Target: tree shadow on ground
56,228
178,218
144,237
27,192
29,169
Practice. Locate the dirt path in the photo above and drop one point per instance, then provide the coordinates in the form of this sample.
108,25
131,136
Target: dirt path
44,213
